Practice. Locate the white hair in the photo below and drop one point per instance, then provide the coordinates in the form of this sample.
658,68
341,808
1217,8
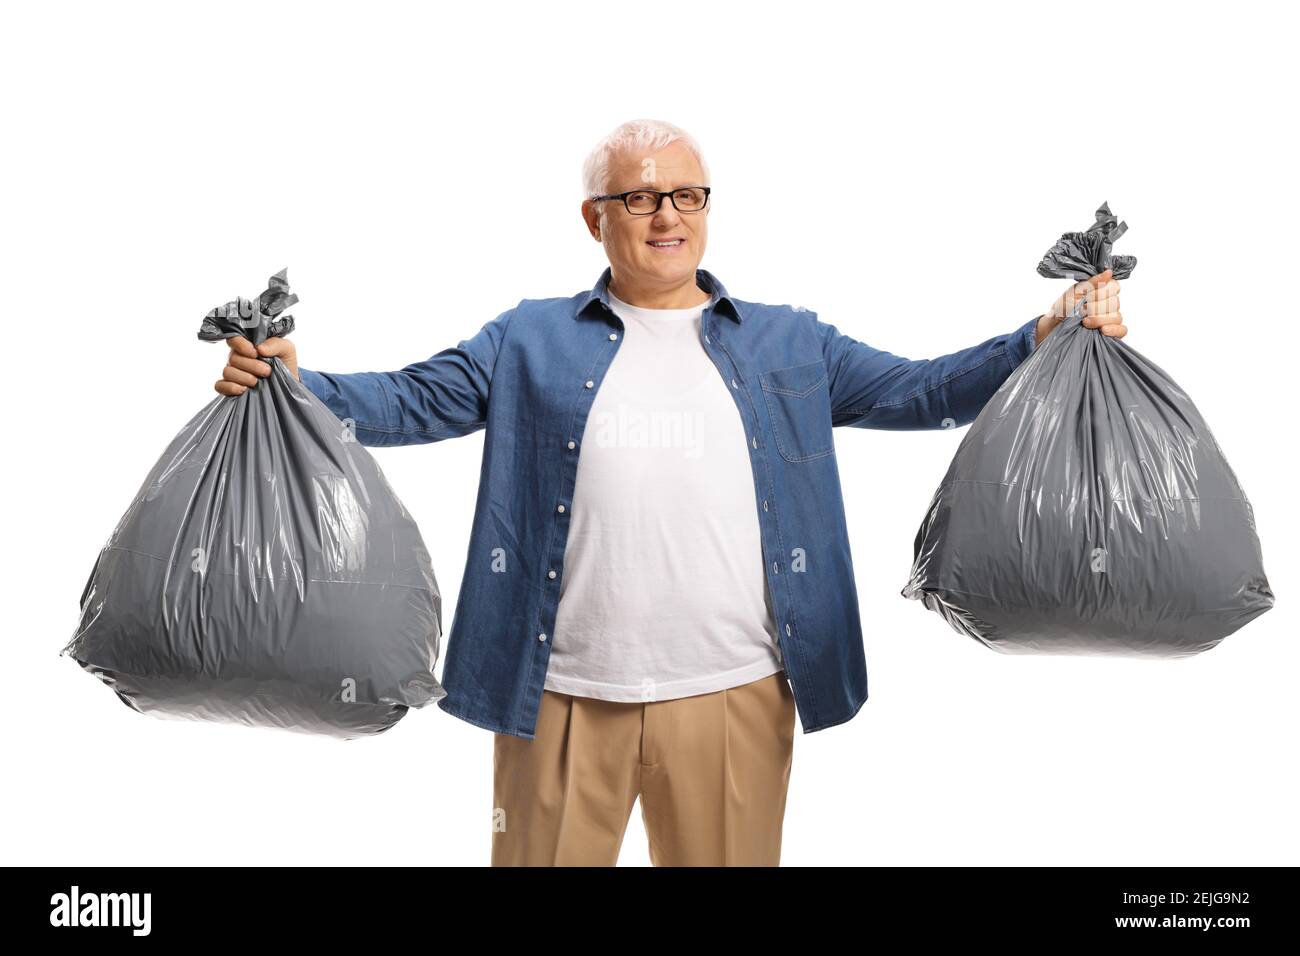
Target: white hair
640,136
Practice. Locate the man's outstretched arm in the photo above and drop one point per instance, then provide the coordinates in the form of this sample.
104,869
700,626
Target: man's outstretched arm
870,388
444,396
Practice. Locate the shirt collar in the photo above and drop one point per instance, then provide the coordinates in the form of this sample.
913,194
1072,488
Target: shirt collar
718,298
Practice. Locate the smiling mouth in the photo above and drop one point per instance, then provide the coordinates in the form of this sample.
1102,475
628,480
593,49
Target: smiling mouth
665,243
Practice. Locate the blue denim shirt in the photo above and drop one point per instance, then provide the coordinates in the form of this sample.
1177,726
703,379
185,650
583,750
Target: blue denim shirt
529,377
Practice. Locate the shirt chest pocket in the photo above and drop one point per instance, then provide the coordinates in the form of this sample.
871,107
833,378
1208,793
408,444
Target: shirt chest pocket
799,403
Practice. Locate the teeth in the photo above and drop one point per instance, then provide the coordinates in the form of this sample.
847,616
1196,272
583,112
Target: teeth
675,242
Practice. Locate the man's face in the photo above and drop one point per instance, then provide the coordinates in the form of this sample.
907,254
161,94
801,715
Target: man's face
628,238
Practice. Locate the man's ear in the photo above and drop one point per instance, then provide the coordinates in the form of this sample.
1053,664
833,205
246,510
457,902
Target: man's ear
591,216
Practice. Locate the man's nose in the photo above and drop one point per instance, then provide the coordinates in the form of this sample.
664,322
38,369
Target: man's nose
667,216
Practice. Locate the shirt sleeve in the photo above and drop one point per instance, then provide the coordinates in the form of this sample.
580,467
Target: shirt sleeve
445,396
870,388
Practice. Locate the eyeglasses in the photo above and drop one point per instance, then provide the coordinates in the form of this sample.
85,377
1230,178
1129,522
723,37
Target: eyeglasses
646,202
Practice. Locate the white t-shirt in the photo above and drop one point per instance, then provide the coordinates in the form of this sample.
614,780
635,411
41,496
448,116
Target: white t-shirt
663,593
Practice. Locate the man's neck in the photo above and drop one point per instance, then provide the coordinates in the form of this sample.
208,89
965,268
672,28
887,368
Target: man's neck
685,296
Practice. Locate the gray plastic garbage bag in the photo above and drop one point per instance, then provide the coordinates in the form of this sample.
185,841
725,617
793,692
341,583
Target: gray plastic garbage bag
1088,508
265,574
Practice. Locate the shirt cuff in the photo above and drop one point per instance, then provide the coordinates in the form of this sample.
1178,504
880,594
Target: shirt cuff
311,380
1021,342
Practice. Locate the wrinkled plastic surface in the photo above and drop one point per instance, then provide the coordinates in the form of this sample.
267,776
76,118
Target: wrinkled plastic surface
265,573
1088,509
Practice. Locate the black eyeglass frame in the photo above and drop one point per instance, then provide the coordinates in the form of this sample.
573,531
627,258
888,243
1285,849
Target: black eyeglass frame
659,194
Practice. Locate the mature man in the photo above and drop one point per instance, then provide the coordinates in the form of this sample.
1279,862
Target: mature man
658,573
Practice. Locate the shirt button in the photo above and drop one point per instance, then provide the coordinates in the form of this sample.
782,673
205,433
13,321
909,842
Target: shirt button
776,568
613,336
764,505
551,575
733,384
787,630
590,383
707,339
572,445
542,637
560,509
755,441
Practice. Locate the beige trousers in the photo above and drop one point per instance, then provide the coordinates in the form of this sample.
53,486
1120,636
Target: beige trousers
711,771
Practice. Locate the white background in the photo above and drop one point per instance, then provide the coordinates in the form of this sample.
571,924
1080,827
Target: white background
417,167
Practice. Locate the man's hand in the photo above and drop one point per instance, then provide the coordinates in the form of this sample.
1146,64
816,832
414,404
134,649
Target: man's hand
1100,311
244,368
